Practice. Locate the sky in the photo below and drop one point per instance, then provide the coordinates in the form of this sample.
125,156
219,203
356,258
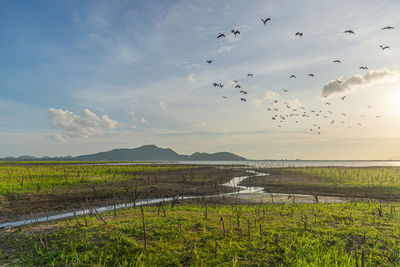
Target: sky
79,77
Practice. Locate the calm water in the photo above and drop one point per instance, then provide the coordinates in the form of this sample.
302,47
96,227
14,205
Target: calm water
302,163
268,163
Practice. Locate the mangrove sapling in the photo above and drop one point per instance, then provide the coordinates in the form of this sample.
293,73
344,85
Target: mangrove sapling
115,204
101,217
223,225
144,228
84,214
205,212
76,218
248,230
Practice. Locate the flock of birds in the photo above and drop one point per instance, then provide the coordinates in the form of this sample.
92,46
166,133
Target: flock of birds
284,110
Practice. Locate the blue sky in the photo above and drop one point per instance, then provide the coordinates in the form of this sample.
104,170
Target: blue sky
80,77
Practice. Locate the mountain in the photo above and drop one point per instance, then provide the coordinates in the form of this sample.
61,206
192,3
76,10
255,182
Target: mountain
155,153
143,153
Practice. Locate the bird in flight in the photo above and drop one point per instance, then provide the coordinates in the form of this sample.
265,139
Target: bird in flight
337,61
339,81
220,35
265,20
384,47
218,85
243,99
209,61
311,75
224,96
285,90
235,32
237,86
349,32
378,117
243,92
299,34
343,97
249,74
292,76
327,103
388,28
363,68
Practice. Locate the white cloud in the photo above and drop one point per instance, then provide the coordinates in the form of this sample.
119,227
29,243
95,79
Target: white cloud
226,48
200,124
356,81
57,138
163,106
190,78
73,125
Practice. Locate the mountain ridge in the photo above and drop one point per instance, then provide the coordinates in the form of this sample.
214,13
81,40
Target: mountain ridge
142,153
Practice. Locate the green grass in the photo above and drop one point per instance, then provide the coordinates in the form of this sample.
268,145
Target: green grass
18,179
366,176
292,235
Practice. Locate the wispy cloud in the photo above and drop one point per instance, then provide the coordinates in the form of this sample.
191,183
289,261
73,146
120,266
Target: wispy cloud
73,125
163,106
357,80
191,78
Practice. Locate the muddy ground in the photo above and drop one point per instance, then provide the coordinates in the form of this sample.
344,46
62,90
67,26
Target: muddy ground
283,181
202,180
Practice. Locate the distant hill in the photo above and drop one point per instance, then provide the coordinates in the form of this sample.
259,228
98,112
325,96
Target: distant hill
155,153
143,153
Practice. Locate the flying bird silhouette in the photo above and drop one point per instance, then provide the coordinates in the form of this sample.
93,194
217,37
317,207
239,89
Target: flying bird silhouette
285,90
265,20
349,32
220,35
243,92
224,96
339,81
384,47
337,61
237,86
243,99
299,34
249,74
292,76
235,32
363,68
343,97
311,75
388,28
209,61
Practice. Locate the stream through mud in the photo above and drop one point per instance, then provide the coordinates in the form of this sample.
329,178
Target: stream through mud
245,193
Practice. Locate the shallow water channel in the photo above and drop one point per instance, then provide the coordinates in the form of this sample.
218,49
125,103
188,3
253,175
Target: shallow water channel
246,193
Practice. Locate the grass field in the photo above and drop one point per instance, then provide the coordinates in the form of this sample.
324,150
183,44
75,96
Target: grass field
48,186
202,232
17,179
349,234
